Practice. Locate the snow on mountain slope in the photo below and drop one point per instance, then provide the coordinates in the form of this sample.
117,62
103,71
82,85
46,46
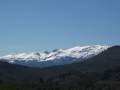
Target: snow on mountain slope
56,57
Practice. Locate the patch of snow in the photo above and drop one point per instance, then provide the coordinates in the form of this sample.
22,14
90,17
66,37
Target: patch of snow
77,52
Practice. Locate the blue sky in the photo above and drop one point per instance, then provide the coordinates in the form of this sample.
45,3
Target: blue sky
39,25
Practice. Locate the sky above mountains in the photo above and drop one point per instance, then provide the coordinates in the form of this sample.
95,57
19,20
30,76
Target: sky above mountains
38,25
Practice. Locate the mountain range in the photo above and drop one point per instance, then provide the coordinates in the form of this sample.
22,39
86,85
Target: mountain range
100,72
56,57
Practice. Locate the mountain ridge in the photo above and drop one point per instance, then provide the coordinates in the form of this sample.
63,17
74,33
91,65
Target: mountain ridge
56,57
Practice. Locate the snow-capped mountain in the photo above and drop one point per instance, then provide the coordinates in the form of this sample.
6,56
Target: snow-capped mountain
56,57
